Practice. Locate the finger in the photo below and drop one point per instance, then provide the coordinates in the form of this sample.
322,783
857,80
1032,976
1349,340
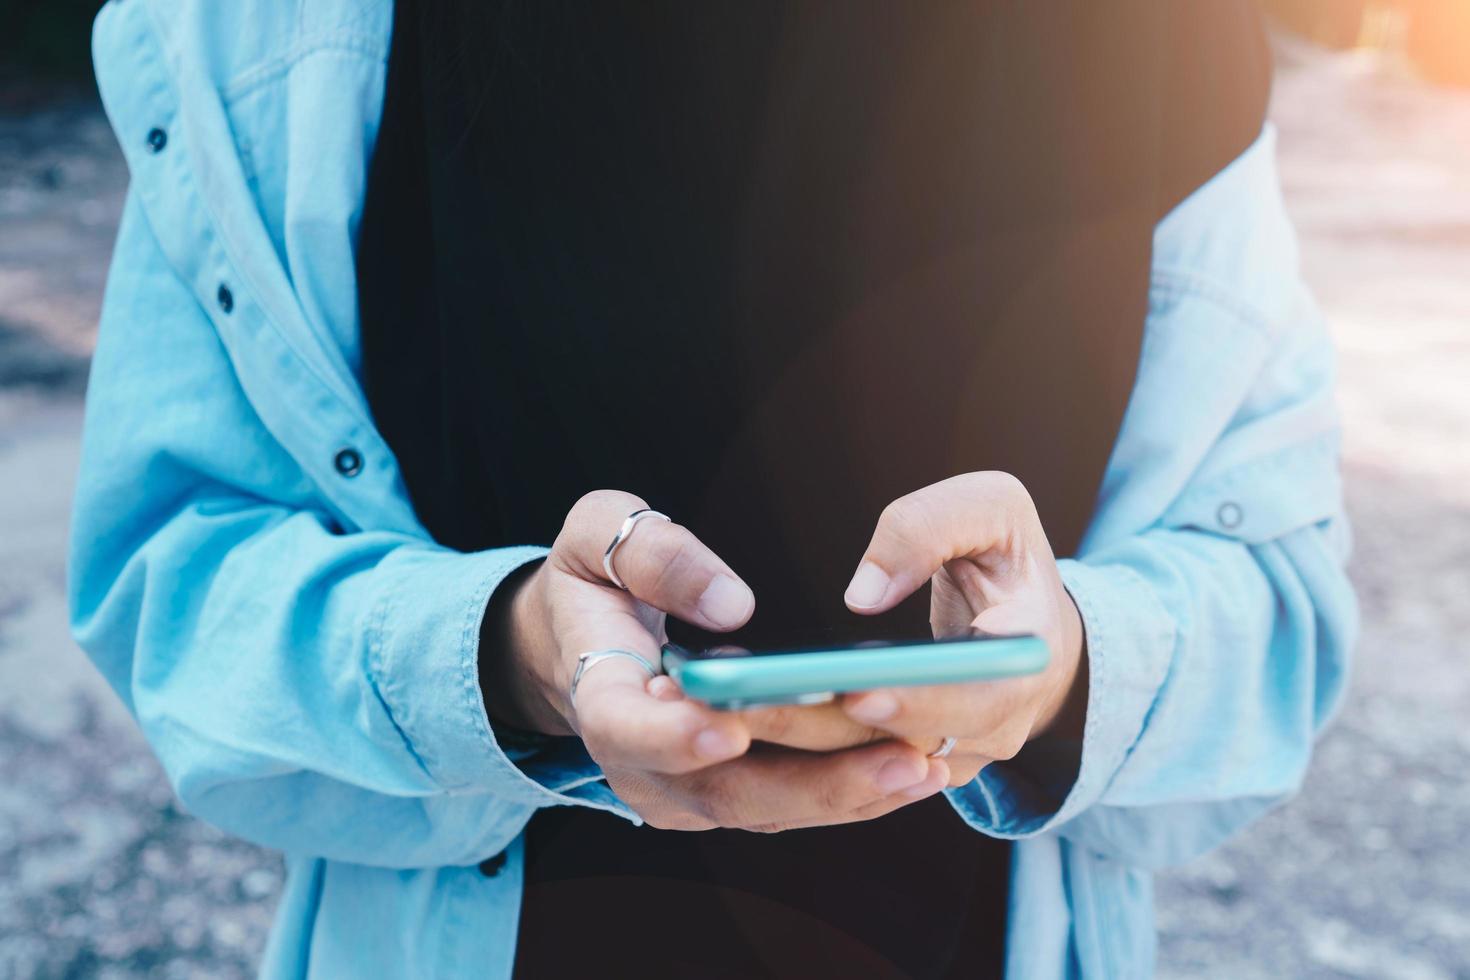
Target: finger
972,710
965,766
1006,619
780,786
969,515
813,728
625,726
621,722
938,778
662,564
663,688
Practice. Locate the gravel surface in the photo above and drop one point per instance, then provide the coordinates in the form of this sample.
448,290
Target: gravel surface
101,874
1364,875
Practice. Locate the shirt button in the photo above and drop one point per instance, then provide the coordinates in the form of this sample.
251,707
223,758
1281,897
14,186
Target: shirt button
348,461
225,298
1230,515
491,866
157,140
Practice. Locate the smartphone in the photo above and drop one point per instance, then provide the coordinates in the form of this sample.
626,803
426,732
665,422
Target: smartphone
732,678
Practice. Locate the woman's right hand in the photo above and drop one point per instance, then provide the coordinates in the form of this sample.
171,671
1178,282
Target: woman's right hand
677,763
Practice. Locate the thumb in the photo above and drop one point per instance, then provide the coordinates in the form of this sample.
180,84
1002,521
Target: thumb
1004,619
965,516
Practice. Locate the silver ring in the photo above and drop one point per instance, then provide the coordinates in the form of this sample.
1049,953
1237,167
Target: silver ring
594,657
621,536
945,748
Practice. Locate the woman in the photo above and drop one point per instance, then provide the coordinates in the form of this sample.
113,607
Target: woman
398,296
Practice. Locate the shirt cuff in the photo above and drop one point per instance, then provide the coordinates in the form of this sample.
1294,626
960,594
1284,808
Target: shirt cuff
1130,643
423,653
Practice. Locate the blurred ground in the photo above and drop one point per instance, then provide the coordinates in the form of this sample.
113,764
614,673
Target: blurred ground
1365,875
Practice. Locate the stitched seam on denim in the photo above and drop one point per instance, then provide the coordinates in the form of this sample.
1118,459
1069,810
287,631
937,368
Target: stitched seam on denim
990,814
1171,283
1191,282
1100,640
962,805
1097,699
469,667
377,672
1108,939
147,34
1099,702
1325,444
1157,613
186,172
144,33
530,791
212,234
259,75
1208,493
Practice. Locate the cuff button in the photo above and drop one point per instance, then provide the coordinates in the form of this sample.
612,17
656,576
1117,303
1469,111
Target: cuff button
1230,515
348,461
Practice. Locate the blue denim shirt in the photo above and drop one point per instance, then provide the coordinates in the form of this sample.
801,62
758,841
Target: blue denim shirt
250,577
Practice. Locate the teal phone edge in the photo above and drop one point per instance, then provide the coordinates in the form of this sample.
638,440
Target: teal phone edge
814,676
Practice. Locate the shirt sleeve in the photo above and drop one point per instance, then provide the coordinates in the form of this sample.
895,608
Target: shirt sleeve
306,687
1218,615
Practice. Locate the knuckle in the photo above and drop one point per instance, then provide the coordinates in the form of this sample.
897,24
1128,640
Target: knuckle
1008,744
895,514
961,774
633,789
573,542
591,502
699,791
674,818
718,806
652,800
605,498
832,795
1008,487
771,724
906,520
594,735
721,803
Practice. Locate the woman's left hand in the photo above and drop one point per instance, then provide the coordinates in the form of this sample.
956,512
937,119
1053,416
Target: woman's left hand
979,538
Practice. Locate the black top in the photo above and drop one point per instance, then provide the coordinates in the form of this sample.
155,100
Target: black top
770,266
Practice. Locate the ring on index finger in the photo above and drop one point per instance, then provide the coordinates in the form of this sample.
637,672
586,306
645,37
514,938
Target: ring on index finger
945,748
594,657
629,523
